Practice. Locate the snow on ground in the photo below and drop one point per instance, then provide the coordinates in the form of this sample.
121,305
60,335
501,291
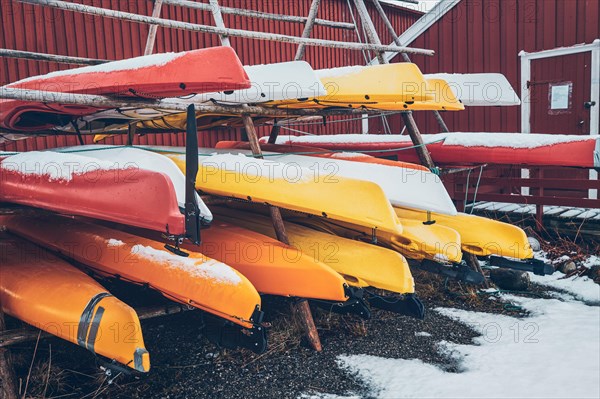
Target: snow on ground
552,353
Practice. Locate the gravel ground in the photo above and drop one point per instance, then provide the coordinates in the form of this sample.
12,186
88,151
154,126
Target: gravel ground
187,365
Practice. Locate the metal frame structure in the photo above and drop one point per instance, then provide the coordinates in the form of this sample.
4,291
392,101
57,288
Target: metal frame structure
246,112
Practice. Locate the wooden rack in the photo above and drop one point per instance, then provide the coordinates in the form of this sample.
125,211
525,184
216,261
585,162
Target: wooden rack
7,387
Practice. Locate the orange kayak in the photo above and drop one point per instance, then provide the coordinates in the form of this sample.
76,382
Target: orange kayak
48,293
197,280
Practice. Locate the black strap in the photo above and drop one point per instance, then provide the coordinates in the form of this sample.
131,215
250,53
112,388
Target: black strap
94,329
86,317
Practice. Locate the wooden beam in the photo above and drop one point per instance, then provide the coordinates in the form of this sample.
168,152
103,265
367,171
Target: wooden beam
417,140
167,23
301,308
274,133
260,14
219,23
63,59
310,22
474,264
153,28
405,57
113,102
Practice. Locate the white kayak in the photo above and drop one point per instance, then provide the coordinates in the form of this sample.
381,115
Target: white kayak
270,82
404,187
480,89
127,156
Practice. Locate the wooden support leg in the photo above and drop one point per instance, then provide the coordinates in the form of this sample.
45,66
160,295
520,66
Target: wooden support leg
8,382
274,133
301,308
415,135
474,264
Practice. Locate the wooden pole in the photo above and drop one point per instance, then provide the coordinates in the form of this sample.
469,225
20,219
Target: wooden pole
167,23
153,28
218,17
274,133
310,22
8,382
301,307
405,57
63,59
366,20
417,140
474,264
260,14
111,102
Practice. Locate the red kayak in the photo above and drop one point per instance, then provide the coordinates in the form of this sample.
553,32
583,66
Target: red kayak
153,76
318,152
468,148
84,186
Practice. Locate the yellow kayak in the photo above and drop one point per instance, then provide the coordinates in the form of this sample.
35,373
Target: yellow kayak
442,99
47,292
417,241
480,236
360,264
299,189
365,85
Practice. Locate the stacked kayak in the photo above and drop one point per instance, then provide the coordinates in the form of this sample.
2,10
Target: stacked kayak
48,293
87,186
283,81
151,76
469,148
196,280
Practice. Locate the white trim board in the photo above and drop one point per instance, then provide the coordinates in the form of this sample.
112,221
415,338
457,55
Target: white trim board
526,59
420,26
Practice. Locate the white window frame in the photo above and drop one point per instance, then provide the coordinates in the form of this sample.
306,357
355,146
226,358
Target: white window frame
526,59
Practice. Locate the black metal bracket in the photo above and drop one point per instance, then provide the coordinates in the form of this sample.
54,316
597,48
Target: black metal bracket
355,304
407,305
457,271
192,209
535,266
232,336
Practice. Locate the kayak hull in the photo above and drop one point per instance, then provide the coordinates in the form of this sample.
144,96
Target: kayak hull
157,75
126,195
359,263
480,236
197,280
46,292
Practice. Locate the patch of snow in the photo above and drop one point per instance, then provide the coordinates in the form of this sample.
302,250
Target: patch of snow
592,260
56,166
422,334
251,168
203,268
554,353
480,89
587,214
341,71
114,243
554,211
572,213
130,64
463,139
581,288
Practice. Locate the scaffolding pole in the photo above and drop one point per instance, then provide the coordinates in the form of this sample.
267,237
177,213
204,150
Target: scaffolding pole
167,23
260,14
153,28
64,59
405,57
312,14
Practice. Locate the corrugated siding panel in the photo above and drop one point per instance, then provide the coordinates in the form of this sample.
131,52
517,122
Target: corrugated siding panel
32,28
486,36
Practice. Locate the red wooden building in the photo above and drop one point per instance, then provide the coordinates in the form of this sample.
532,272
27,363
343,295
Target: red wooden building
468,36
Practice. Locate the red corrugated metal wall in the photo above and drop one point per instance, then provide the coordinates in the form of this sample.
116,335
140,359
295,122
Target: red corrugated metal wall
34,28
487,36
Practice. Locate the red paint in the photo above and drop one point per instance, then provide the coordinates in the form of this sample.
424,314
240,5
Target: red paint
136,197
